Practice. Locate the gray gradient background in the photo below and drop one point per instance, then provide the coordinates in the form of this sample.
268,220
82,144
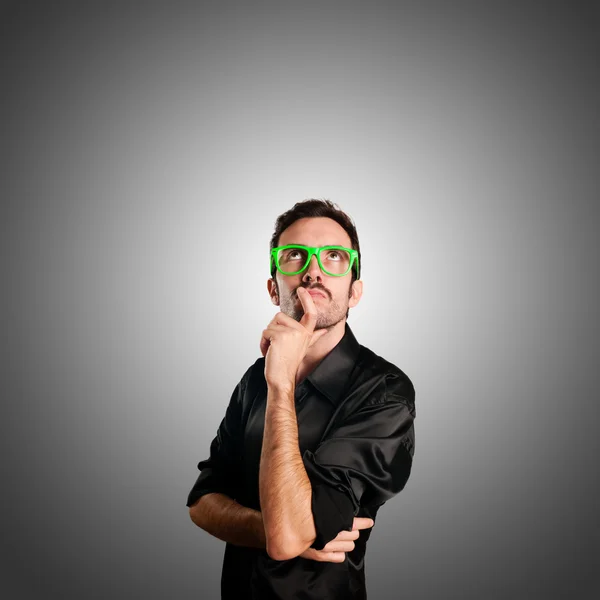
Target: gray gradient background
462,139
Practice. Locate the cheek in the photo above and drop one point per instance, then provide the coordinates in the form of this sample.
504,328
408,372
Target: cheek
338,294
342,291
287,289
285,292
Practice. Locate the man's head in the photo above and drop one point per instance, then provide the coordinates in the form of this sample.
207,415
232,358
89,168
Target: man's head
316,223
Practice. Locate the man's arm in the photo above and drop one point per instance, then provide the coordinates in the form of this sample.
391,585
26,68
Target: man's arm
364,462
210,501
285,490
211,504
231,522
228,520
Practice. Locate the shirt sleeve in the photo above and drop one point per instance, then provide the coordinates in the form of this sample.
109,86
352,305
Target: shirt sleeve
364,462
220,472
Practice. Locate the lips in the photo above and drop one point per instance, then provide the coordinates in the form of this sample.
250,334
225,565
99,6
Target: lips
314,292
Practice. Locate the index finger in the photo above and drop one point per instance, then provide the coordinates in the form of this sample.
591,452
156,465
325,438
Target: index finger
362,523
309,318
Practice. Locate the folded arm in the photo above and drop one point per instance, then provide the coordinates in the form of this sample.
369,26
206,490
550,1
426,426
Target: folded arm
306,500
231,522
228,520
211,502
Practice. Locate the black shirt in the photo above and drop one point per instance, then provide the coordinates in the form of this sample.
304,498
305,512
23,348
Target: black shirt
355,428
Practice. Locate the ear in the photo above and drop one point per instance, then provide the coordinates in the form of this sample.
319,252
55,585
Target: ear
272,289
356,293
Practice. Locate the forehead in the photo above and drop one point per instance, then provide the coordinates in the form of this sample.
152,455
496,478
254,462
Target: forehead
315,231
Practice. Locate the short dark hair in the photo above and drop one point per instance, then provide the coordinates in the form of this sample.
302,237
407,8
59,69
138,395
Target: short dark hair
316,208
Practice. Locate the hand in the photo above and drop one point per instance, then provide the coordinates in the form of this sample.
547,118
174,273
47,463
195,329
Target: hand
335,550
285,342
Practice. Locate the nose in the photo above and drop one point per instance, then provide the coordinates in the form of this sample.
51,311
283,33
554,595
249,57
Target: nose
313,271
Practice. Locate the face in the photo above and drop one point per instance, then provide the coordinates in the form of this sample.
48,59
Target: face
338,294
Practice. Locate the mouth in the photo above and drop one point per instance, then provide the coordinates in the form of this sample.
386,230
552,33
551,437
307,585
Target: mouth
315,292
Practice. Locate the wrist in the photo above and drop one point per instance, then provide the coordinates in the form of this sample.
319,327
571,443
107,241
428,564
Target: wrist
284,387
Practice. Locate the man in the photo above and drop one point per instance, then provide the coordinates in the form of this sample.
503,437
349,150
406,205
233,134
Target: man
318,433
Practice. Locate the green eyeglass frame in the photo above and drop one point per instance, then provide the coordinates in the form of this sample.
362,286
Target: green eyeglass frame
316,251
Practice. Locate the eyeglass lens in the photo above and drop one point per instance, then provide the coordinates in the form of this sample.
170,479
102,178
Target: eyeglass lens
334,261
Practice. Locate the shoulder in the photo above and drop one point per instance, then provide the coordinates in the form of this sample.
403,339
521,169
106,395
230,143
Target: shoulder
389,382
247,388
254,377
256,370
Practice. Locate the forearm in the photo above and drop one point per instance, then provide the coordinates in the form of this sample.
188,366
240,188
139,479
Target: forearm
229,521
285,489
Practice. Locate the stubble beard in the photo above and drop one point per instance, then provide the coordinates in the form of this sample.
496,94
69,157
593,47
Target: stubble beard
327,317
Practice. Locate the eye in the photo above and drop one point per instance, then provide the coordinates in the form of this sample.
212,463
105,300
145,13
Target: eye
294,254
334,255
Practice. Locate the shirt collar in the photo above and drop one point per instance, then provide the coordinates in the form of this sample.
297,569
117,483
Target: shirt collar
332,374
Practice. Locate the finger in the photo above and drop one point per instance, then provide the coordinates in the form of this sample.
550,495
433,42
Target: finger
274,329
309,318
267,335
336,557
283,319
264,345
347,535
339,546
362,523
265,340
287,321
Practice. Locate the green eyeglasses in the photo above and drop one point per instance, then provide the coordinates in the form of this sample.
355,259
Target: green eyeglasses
333,260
